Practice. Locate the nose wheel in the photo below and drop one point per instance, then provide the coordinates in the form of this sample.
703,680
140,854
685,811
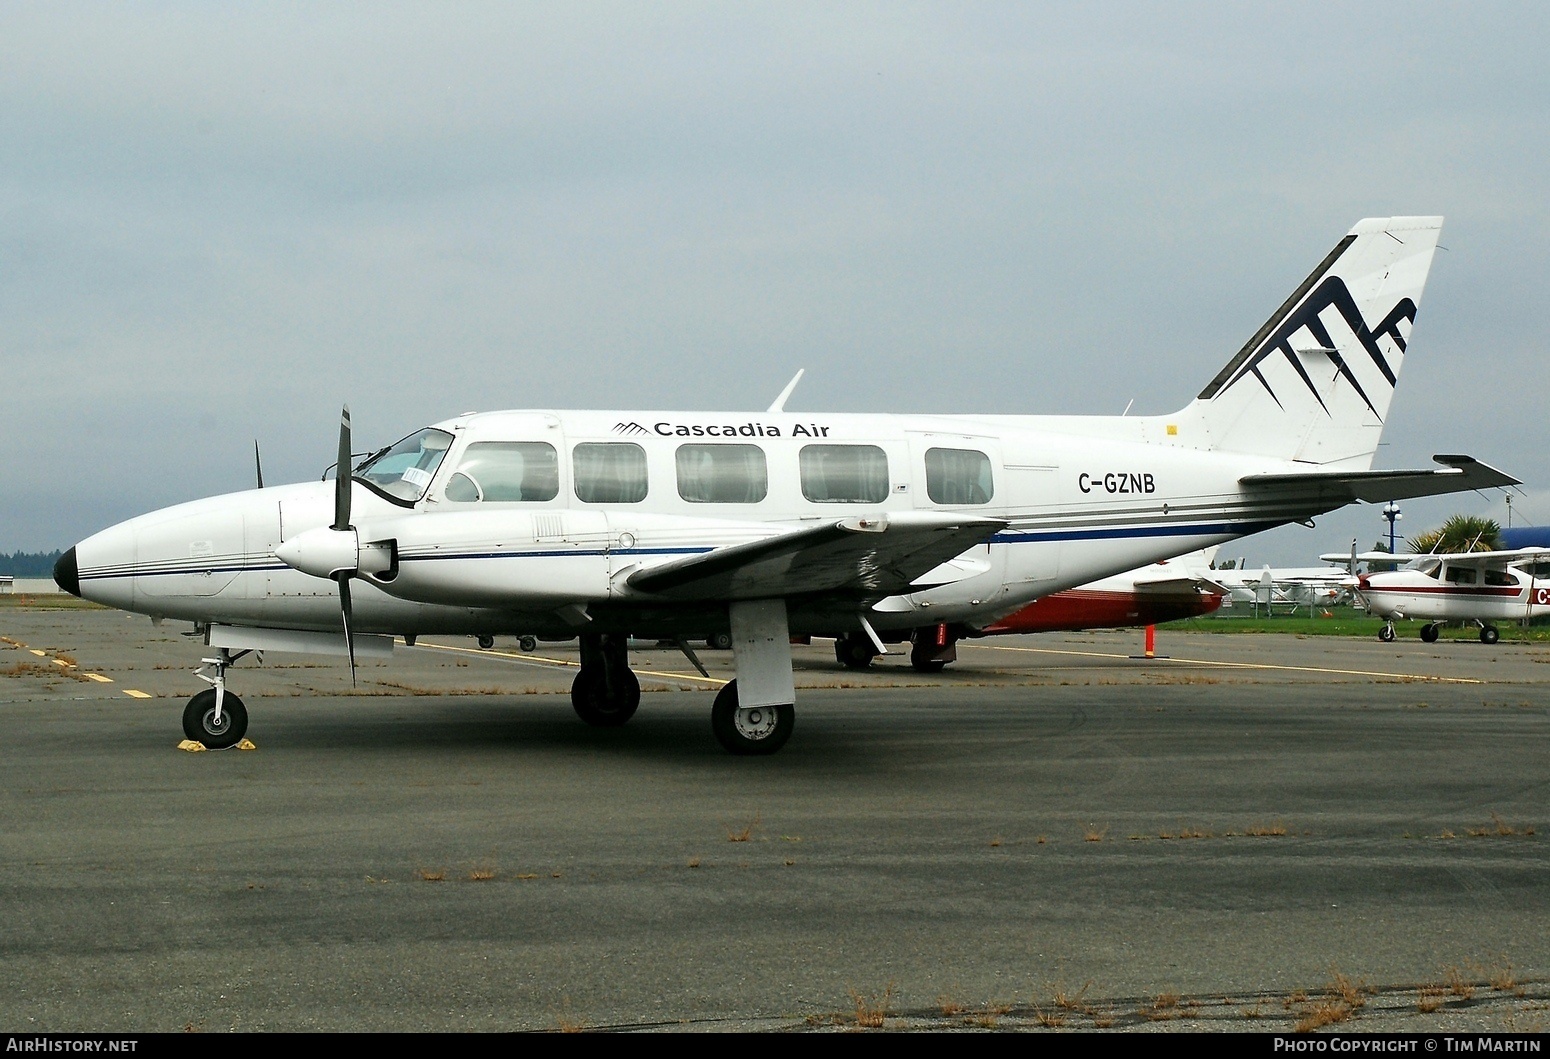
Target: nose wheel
216,717
1387,634
218,731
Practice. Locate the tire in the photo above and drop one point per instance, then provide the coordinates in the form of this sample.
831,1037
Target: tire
722,641
1386,634
755,731
922,662
1489,635
589,696
486,642
528,643
852,652
1429,633
199,718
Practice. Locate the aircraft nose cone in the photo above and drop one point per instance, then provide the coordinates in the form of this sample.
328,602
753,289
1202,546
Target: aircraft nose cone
66,574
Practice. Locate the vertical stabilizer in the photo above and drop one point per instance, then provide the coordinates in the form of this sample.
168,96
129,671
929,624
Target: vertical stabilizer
1315,382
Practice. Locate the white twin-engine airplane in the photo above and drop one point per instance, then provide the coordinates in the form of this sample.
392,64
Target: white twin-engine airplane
678,525
1479,587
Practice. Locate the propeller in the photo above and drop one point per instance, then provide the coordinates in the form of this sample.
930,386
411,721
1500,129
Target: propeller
342,489
334,551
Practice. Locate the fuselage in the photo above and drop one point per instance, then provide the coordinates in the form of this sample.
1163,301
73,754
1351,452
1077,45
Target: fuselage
506,521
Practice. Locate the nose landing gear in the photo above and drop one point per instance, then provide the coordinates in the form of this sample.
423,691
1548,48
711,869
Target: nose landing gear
216,717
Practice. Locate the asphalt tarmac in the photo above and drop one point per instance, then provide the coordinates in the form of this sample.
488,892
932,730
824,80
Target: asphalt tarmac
1257,831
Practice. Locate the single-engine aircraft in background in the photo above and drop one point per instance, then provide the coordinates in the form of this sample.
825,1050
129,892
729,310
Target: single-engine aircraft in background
1480,588
672,525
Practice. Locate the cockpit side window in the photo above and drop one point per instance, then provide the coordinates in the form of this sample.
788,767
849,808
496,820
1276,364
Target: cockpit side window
503,471
1429,567
403,472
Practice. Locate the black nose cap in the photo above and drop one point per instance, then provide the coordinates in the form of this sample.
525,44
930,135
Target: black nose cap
66,576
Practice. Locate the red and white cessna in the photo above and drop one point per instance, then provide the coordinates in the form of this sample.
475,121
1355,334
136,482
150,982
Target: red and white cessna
678,525
1479,587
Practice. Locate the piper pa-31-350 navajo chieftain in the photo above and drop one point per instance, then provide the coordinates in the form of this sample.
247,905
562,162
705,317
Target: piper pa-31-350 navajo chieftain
1482,588
679,525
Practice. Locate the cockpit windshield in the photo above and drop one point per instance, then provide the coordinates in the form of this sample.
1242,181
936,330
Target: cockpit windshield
404,472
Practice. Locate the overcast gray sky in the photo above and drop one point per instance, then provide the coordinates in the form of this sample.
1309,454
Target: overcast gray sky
220,222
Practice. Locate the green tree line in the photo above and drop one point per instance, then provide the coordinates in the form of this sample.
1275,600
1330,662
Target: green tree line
28,564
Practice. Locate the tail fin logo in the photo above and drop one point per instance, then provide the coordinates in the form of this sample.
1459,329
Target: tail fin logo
1332,293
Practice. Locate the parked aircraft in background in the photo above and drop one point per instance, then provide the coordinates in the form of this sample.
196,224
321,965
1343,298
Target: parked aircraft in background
1163,591
1482,588
1285,587
677,525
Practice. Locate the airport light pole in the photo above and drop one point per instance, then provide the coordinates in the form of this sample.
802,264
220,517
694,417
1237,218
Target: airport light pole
1391,512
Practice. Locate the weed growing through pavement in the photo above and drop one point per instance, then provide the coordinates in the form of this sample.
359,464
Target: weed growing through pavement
1095,833
747,831
871,1011
432,874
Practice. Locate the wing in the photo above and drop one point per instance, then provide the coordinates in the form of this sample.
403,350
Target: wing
1492,560
857,558
1458,474
1164,586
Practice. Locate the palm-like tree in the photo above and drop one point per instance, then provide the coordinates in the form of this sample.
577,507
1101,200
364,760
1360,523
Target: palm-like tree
1461,533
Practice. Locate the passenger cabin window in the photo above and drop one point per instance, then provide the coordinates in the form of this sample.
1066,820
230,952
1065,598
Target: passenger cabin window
958,476
609,472
498,471
1500,578
844,474
722,474
1460,575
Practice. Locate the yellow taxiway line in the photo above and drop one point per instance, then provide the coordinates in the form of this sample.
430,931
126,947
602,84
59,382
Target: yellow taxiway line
1237,665
545,662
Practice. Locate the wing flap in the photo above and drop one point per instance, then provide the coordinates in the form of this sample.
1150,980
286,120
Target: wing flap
860,558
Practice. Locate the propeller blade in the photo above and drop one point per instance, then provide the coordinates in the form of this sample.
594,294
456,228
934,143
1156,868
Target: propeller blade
342,474
344,607
258,464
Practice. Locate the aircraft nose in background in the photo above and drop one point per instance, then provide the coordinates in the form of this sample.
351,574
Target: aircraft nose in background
66,574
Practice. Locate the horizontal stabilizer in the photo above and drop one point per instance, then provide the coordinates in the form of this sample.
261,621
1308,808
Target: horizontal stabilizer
1458,474
858,558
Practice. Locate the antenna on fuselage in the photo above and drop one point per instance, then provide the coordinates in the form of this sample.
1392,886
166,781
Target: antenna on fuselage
780,402
258,464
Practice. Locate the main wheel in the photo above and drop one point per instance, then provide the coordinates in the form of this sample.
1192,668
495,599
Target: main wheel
751,730
1488,634
528,643
854,652
605,698
486,641
721,641
1386,634
1429,633
200,725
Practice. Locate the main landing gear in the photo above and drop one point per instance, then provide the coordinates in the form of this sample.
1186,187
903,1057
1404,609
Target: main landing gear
216,717
1488,634
855,650
1429,633
605,692
749,730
